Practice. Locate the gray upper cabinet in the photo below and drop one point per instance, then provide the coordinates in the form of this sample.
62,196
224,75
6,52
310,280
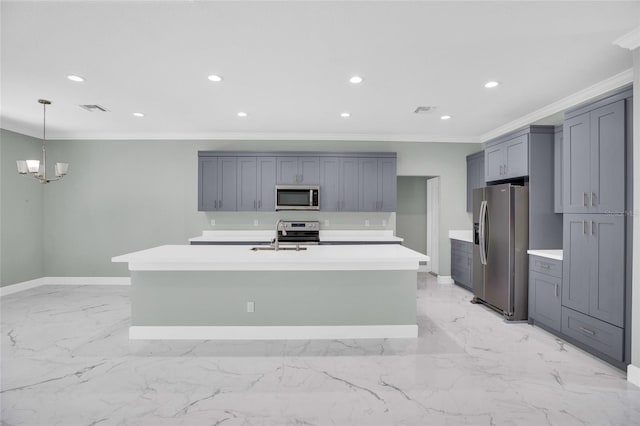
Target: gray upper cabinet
507,159
217,184
594,266
475,176
594,159
378,184
256,183
298,170
339,184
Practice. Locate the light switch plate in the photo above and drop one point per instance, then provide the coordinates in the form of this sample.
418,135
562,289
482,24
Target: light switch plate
366,222
213,222
255,222
251,307
326,222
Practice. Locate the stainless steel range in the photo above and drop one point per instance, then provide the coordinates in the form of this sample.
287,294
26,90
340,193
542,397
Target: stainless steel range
306,232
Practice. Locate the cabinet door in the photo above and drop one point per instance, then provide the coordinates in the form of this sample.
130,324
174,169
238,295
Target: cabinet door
349,184
387,186
576,164
309,170
330,184
368,180
227,168
208,184
287,169
266,183
247,184
544,299
578,262
493,163
517,157
606,292
606,193
557,172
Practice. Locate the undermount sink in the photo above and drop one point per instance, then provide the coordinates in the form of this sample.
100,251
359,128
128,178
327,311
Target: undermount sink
296,248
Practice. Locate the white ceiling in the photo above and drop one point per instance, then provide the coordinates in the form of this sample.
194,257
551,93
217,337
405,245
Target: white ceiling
287,65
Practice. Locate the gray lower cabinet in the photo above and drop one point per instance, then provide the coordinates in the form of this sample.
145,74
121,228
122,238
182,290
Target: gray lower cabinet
256,179
462,263
545,289
593,160
377,184
507,158
475,176
298,170
598,335
217,183
339,184
594,270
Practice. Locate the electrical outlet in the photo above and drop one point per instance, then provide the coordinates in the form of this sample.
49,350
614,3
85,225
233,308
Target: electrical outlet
366,222
251,307
213,222
255,222
384,222
326,223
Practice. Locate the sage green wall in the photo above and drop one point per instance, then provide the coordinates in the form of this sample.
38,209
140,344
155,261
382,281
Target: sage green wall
122,196
411,216
21,211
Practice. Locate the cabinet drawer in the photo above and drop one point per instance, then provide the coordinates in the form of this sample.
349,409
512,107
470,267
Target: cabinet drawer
546,266
599,335
462,246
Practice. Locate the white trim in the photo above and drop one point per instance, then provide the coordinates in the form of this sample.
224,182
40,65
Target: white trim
445,279
630,40
633,374
306,332
584,95
26,285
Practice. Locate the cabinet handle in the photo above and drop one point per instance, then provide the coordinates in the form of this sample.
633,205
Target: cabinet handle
501,170
255,204
584,199
557,290
545,265
587,331
584,229
506,168
593,229
593,195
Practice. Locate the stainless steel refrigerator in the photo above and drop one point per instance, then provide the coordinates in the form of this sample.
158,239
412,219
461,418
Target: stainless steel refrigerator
501,239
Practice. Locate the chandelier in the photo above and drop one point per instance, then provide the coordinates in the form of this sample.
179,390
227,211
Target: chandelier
37,168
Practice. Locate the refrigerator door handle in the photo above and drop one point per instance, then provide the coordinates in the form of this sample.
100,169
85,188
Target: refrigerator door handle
483,221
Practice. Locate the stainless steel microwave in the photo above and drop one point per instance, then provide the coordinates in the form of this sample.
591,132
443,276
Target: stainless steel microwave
297,197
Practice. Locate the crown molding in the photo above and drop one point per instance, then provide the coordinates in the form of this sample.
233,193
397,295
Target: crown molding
630,40
577,98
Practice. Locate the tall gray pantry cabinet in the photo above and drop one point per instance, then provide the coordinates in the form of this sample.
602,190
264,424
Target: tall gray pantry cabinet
595,197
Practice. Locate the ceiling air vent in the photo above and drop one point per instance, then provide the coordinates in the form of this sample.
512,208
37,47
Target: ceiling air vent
94,108
423,109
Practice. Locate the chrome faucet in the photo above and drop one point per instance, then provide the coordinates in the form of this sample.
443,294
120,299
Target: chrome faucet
279,227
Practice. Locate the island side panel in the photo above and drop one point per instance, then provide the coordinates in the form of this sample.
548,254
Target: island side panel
282,298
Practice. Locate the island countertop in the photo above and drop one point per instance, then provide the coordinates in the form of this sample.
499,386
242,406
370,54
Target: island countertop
241,258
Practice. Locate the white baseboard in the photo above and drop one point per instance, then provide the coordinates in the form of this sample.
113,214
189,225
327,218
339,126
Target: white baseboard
633,374
272,332
445,279
26,285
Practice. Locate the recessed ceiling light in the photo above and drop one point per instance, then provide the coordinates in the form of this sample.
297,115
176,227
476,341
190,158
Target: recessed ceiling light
345,115
242,114
138,114
215,78
356,79
491,84
445,117
75,78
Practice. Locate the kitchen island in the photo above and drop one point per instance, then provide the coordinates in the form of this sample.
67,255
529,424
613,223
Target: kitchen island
233,292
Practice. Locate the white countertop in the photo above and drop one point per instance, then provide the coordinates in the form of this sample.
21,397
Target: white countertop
551,254
461,235
241,258
325,235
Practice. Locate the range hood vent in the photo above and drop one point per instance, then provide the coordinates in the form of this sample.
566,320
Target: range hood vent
94,108
423,109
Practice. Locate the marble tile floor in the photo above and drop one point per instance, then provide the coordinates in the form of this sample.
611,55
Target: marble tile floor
67,360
